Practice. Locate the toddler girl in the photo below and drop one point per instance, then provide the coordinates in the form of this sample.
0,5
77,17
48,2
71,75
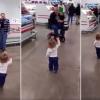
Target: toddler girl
52,53
97,45
5,60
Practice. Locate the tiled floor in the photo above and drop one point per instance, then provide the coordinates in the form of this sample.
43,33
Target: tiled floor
11,89
90,68
37,82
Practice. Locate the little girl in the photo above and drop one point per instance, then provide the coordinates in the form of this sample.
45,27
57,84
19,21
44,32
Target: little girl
5,60
97,45
52,53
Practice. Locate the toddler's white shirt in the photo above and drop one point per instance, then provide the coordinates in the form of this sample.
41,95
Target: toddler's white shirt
97,44
53,52
4,66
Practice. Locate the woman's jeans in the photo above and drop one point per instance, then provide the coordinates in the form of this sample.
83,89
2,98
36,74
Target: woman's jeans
57,27
3,38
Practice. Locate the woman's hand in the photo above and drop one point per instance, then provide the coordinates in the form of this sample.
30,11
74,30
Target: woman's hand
52,37
60,21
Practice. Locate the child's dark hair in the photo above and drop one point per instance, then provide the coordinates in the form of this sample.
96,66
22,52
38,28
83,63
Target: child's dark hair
52,43
97,36
4,57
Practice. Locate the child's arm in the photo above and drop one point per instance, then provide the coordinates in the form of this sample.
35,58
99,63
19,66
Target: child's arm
61,21
9,61
58,42
94,43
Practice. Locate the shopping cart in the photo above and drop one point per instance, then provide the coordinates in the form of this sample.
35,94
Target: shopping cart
60,35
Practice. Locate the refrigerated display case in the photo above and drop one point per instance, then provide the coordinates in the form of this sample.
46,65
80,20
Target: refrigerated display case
14,34
27,24
41,10
27,27
31,8
88,20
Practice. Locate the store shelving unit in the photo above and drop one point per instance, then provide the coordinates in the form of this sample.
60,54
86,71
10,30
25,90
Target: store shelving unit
88,20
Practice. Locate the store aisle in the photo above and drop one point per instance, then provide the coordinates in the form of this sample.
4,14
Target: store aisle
90,68
11,89
37,82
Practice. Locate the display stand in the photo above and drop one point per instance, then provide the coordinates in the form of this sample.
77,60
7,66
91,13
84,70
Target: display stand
14,34
28,25
88,20
27,32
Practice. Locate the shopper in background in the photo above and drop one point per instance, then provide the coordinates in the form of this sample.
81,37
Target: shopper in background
61,7
5,61
61,23
99,14
95,11
97,45
56,21
52,53
53,20
66,8
34,19
77,11
4,29
71,12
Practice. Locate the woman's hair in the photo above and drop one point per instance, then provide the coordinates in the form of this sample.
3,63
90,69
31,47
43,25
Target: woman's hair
52,43
4,57
97,36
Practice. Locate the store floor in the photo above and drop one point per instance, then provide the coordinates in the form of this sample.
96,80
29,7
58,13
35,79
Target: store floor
90,68
37,82
11,89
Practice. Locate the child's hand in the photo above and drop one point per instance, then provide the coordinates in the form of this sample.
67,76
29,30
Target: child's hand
57,38
5,52
52,37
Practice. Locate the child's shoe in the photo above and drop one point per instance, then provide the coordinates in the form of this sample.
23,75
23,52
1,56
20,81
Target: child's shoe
55,71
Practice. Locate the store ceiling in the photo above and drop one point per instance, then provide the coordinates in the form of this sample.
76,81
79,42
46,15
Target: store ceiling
10,7
90,1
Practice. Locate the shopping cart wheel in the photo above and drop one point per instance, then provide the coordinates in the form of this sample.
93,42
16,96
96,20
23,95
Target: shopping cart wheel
62,39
